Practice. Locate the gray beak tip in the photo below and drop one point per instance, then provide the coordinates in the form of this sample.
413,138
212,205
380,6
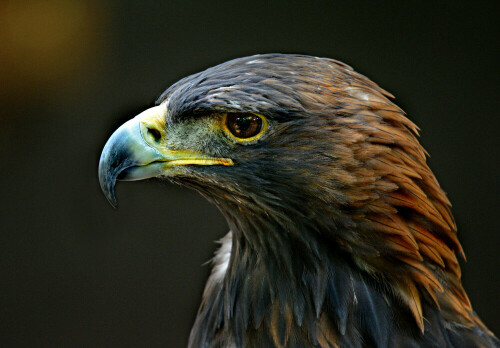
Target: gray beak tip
108,186
108,171
112,200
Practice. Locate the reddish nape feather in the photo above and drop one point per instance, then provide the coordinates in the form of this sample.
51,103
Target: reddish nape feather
399,202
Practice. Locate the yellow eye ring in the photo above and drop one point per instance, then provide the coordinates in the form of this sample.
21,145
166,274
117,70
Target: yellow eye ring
244,127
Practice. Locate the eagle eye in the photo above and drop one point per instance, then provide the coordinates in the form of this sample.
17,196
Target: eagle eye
244,126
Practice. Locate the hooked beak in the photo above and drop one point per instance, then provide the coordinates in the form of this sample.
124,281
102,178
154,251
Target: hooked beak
137,151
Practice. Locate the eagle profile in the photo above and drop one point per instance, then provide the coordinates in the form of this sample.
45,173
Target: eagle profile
340,234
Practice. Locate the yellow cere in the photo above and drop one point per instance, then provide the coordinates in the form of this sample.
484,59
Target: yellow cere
153,120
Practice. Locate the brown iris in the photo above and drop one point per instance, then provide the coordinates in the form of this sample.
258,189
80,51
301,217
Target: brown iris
244,125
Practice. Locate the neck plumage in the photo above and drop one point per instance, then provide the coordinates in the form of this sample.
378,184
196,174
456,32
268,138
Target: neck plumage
281,288
273,287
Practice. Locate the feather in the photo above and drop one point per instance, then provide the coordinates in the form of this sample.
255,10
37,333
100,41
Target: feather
410,294
371,309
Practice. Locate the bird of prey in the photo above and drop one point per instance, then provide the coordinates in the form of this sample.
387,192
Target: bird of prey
340,235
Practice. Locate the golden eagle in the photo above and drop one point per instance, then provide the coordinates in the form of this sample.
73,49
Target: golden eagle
340,234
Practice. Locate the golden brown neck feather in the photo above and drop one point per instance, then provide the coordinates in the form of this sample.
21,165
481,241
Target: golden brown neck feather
402,209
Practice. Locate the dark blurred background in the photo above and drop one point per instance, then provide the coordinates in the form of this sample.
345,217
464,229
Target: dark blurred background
75,272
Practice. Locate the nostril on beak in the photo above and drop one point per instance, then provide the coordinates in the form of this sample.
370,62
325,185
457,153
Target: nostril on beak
154,134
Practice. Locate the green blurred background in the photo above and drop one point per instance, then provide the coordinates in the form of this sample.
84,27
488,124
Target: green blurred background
77,273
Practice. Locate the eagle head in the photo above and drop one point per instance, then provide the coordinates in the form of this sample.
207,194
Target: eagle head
338,224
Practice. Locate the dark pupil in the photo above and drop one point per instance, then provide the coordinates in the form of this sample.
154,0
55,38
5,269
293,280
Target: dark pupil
244,125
